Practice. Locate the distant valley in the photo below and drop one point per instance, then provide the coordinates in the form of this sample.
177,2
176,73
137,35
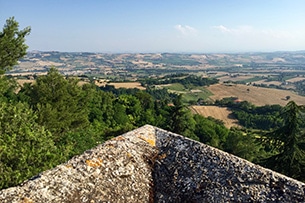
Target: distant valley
124,65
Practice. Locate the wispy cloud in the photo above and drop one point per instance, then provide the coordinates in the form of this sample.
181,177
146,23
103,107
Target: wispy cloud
235,31
250,31
279,34
186,30
254,38
221,28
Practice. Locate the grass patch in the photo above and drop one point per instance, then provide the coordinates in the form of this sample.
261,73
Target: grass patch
176,87
193,97
191,94
254,79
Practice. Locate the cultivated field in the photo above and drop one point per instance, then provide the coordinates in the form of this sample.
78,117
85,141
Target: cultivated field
235,79
256,95
117,85
220,113
127,85
278,83
296,79
23,81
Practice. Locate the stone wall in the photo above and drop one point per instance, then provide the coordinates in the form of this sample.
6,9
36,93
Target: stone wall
152,165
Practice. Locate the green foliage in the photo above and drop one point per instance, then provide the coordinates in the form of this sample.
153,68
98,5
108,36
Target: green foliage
79,141
288,143
60,103
7,89
254,117
12,44
162,113
26,148
243,145
183,84
210,132
119,91
300,87
121,117
132,107
185,80
174,59
100,105
181,120
176,87
147,105
160,94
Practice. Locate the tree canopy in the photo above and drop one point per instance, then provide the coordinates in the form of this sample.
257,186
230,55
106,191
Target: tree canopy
60,103
26,148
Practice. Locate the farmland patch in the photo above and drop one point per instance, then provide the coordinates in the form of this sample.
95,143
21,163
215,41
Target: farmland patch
220,113
256,95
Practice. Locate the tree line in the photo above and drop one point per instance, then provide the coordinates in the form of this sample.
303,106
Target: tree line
253,117
188,80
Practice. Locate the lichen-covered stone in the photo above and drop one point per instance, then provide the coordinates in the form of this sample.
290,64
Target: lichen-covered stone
190,171
152,165
120,170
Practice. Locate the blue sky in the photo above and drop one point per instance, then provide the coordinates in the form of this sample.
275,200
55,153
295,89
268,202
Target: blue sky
201,26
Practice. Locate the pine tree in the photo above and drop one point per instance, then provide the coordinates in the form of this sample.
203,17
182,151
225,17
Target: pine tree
288,144
12,48
181,119
12,44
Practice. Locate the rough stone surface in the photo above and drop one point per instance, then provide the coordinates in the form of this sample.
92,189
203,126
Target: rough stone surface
152,165
117,171
189,171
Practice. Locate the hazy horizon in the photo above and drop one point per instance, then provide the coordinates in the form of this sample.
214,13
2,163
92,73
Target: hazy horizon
193,26
160,52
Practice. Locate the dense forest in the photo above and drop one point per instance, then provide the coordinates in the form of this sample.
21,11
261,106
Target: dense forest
46,123
182,78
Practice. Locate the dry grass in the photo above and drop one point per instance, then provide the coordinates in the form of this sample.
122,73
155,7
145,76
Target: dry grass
296,79
127,85
268,82
256,95
220,113
21,82
48,63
